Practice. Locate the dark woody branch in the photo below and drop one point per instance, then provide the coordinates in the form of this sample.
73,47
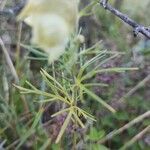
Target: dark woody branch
137,28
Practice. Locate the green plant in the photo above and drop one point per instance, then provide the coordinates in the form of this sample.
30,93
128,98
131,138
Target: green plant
71,82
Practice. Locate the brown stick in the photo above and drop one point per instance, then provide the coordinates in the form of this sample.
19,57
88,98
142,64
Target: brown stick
135,138
139,85
125,127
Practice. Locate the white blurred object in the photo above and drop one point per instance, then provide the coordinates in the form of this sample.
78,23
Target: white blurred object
52,22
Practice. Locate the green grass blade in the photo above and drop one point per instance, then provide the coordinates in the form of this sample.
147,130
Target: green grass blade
31,130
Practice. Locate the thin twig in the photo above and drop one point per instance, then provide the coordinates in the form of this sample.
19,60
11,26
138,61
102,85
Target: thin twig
125,127
137,28
9,61
18,45
13,72
139,85
136,138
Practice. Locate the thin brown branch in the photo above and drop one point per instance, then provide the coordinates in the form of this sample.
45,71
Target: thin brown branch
133,90
136,138
125,127
9,61
137,28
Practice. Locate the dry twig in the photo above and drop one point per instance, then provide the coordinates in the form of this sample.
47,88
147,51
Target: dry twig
137,28
125,127
139,85
9,61
135,138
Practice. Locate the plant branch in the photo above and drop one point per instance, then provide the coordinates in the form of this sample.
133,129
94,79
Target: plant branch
125,127
9,61
139,85
137,28
135,138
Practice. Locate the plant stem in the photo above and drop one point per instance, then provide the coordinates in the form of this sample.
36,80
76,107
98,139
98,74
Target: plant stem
125,127
135,138
9,61
18,45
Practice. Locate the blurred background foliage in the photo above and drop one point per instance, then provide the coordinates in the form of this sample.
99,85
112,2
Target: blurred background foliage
128,93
